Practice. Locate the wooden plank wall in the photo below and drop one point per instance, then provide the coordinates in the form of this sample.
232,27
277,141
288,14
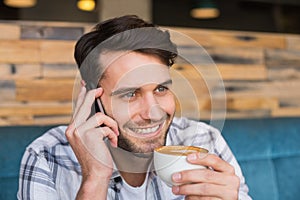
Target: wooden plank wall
260,71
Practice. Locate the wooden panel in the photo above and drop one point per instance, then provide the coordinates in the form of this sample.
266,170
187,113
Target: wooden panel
248,114
253,103
50,32
286,112
19,51
49,120
242,72
4,122
16,121
230,114
227,71
234,105
17,71
191,107
237,55
282,58
60,70
5,70
189,104
193,87
26,120
32,109
9,31
57,52
52,23
231,38
44,90
284,73
293,42
198,88
208,55
260,72
280,89
289,102
7,90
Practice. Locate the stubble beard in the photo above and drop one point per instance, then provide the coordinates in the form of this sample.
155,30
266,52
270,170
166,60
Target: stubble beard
145,145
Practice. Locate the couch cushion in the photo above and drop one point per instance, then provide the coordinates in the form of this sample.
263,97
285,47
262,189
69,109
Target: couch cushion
263,138
260,176
13,143
288,177
268,151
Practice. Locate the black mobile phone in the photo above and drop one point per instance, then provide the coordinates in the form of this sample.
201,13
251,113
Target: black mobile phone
99,106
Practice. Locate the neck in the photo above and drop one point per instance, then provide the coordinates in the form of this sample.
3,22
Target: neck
132,166
134,179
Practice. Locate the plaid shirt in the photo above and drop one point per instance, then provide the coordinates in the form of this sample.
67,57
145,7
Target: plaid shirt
50,170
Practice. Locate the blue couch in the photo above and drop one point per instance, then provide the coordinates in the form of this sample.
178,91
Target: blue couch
268,151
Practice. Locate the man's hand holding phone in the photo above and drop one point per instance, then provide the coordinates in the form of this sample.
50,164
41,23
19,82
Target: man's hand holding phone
85,135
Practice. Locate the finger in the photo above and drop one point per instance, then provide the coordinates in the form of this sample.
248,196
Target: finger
71,128
211,160
194,197
112,137
80,97
79,101
90,143
206,190
99,119
85,108
83,83
69,131
205,176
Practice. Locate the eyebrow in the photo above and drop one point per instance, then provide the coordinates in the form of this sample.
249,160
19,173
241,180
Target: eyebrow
130,89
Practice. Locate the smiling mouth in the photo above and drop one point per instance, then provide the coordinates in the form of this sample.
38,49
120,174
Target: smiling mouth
147,130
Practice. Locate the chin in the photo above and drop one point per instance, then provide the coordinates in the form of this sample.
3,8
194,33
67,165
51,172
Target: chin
133,139
143,145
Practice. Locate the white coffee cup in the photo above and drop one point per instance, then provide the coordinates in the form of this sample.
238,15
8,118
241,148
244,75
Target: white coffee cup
171,159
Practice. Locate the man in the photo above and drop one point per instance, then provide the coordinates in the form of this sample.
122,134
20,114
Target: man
124,63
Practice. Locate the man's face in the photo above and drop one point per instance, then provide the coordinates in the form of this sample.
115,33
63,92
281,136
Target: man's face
137,95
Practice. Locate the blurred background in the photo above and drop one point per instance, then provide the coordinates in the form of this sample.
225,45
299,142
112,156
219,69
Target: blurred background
248,15
255,45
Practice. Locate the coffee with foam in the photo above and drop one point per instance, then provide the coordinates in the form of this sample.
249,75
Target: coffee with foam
180,150
171,159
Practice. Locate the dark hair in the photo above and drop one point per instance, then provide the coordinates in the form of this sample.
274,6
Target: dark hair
127,33
105,30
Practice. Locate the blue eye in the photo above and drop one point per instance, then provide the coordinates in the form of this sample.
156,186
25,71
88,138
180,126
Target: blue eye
128,95
161,89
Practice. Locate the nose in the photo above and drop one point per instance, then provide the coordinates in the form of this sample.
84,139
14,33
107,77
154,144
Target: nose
151,109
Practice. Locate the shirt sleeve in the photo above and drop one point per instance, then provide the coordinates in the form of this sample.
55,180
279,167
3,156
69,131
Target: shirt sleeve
35,178
224,152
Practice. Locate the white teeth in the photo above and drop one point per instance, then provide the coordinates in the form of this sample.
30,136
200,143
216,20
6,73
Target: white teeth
146,130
